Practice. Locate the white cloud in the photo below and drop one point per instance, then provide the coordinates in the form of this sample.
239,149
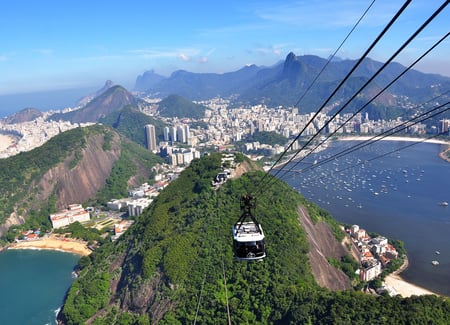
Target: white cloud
184,57
274,50
3,58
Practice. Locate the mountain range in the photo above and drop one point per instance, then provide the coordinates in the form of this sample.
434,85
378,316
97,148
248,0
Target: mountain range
297,81
285,82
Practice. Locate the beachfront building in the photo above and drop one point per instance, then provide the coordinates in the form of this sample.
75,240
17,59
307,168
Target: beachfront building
73,213
371,271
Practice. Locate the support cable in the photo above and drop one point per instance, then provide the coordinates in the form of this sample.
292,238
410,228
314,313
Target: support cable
366,104
372,45
333,55
433,16
381,136
384,154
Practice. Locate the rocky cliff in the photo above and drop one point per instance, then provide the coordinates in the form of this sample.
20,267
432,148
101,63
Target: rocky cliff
80,183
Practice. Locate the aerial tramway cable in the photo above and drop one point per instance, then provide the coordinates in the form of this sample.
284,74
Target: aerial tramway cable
333,55
384,154
372,45
381,136
354,96
365,105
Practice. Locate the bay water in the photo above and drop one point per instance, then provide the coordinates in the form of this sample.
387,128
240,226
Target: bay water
386,188
33,284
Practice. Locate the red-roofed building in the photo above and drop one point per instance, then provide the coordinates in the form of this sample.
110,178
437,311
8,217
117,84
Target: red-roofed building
74,212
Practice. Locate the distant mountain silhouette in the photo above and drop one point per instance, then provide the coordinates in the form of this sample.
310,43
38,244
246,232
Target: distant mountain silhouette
147,80
285,83
203,85
24,115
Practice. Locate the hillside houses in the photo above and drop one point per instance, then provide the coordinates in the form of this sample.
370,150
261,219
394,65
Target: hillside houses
375,253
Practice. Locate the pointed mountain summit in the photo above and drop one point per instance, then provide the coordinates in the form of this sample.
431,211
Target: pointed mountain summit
147,80
86,99
286,82
113,99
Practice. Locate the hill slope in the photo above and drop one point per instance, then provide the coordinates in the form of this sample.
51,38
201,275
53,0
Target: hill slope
171,266
130,122
70,168
111,100
177,106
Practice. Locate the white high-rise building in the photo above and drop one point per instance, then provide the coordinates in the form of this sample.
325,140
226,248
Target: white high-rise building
186,132
166,133
173,134
150,136
181,134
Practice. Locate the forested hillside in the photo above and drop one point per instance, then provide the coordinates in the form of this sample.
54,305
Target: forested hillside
84,164
175,265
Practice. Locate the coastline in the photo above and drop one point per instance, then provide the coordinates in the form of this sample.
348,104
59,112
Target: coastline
402,287
393,138
64,245
442,154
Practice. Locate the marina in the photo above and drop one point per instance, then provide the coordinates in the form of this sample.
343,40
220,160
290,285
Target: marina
396,195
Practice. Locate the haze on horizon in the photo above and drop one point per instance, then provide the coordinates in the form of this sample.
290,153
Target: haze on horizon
49,45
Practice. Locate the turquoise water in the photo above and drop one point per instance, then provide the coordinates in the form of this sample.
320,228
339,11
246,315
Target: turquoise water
33,285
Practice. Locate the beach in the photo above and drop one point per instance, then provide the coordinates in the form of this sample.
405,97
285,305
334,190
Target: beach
394,138
442,154
5,142
403,288
52,243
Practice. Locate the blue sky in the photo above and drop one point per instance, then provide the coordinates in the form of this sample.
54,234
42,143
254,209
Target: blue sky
64,44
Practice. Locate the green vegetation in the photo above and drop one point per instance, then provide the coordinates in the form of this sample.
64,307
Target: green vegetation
131,159
18,173
177,106
175,257
130,122
265,137
346,264
78,231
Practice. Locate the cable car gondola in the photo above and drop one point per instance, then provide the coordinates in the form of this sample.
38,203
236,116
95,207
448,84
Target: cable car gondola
248,236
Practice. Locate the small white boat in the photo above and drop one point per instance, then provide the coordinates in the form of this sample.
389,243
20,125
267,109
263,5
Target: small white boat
435,262
443,204
437,252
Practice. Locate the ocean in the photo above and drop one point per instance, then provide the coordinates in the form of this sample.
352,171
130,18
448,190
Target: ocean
397,196
33,284
43,101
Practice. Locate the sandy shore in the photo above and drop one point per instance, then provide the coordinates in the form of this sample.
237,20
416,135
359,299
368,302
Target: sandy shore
65,245
405,289
5,142
442,154
392,138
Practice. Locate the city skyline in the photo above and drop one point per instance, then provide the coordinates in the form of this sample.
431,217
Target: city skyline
50,45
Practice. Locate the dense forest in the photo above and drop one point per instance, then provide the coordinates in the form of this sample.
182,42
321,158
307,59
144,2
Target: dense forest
175,265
